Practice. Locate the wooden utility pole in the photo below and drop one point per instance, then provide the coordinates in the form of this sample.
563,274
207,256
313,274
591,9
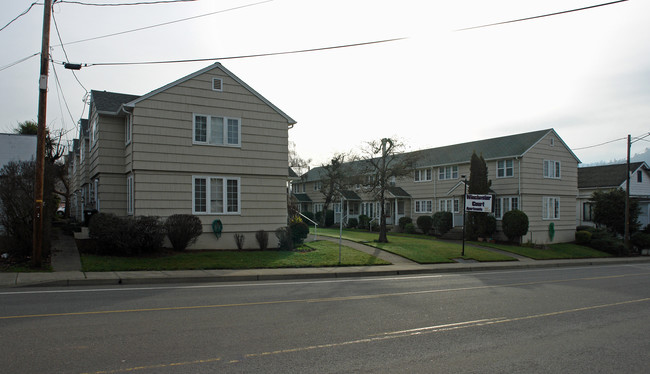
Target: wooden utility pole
40,146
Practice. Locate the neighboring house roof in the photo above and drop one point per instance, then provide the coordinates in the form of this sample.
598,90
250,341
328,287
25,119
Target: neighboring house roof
398,192
15,147
606,176
110,102
495,148
83,128
293,175
350,195
216,65
302,197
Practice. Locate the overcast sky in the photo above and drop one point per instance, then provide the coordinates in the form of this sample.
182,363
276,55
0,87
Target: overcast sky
586,74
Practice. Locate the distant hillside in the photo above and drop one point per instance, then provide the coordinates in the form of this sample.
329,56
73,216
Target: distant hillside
639,157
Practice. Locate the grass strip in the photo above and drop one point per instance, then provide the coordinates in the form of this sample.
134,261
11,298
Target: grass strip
316,254
553,252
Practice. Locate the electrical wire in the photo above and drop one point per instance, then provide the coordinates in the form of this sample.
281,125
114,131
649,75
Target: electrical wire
60,94
598,145
19,61
542,16
244,56
20,15
126,4
167,23
56,27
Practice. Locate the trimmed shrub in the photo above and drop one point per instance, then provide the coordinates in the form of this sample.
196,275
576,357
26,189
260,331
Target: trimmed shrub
298,232
364,221
329,218
514,224
112,234
353,223
403,221
262,238
183,230
284,238
640,240
583,237
425,223
148,234
409,228
442,222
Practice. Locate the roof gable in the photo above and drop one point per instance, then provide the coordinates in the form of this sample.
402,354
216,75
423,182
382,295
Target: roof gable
606,176
216,65
110,102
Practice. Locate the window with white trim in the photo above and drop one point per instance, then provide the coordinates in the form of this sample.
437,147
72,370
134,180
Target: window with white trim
588,212
127,129
448,172
504,204
505,168
82,150
423,175
217,84
550,207
552,169
129,195
215,130
449,205
369,209
94,132
318,185
318,207
423,206
216,195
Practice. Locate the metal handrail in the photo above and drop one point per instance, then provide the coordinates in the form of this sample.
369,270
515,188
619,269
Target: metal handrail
315,225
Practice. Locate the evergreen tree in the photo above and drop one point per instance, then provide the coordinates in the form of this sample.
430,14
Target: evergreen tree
478,223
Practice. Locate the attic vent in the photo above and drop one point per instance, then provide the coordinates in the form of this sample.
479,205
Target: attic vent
217,84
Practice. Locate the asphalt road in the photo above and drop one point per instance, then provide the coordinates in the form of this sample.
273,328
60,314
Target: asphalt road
560,320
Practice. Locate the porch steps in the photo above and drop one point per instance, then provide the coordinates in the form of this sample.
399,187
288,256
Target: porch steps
455,233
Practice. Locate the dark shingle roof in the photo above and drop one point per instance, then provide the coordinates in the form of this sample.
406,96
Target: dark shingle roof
606,176
110,102
398,192
350,195
495,148
302,197
83,128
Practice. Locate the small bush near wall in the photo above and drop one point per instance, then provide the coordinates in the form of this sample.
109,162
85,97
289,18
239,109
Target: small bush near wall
425,223
442,222
364,221
353,223
148,234
183,230
515,224
262,238
119,236
284,238
298,232
409,228
403,221
583,237
240,240
641,240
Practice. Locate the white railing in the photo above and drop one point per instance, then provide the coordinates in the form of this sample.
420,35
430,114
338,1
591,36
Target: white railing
315,225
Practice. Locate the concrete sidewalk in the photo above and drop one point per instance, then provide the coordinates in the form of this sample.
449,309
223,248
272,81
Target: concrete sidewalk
67,271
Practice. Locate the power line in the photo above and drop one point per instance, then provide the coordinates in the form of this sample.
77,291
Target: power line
598,145
20,15
243,56
167,23
56,27
126,4
542,16
19,61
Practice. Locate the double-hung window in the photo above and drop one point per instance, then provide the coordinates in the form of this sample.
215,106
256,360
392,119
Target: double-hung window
129,195
423,206
94,132
552,169
215,130
505,204
449,205
216,195
505,169
448,172
422,175
550,207
127,130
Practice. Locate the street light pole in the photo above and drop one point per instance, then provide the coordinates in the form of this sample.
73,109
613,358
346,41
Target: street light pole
464,210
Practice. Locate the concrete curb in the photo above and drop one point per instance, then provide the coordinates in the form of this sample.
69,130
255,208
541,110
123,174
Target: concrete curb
78,278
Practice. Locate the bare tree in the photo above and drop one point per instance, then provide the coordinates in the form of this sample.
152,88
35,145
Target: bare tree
383,162
298,164
333,180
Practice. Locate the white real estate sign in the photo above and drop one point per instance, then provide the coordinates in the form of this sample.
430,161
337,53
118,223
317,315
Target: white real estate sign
478,203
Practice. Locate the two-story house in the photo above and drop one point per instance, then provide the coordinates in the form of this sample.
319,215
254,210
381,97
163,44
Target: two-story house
535,172
608,177
207,144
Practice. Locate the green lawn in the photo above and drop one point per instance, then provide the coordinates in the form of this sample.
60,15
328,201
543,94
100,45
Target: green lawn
555,251
324,254
424,249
